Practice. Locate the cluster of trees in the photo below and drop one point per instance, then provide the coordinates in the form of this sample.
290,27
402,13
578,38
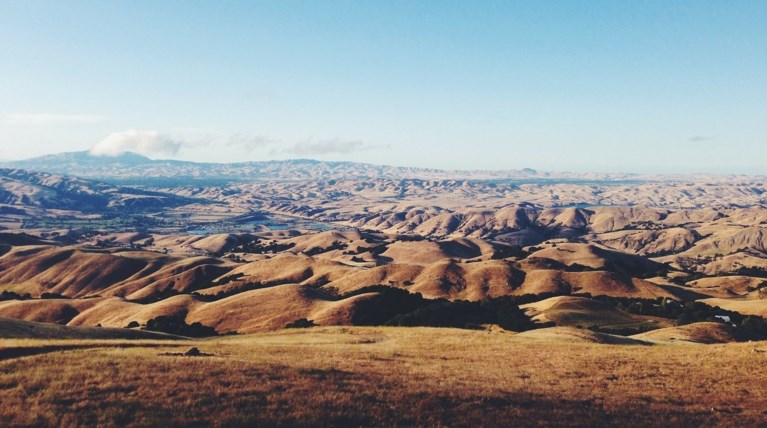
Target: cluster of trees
397,307
464,314
503,252
336,245
750,271
685,312
261,247
376,250
12,295
643,225
176,324
301,323
692,276
53,296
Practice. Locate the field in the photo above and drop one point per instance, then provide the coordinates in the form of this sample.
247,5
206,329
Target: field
351,376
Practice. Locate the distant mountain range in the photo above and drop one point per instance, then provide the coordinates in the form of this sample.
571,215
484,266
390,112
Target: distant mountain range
134,169
132,166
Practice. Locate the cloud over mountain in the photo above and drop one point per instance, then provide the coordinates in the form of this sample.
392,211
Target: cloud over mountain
148,143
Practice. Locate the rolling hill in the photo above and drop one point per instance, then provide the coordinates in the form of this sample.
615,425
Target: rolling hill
55,192
18,329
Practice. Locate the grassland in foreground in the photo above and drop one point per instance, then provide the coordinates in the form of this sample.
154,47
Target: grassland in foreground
381,376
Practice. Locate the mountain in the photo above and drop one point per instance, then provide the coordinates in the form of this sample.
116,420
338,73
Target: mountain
62,162
131,166
50,191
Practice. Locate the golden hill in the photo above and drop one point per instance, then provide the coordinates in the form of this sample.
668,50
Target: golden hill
115,284
578,335
79,272
701,332
596,257
18,329
727,286
756,307
581,312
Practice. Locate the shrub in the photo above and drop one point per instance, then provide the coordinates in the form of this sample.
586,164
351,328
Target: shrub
193,352
301,323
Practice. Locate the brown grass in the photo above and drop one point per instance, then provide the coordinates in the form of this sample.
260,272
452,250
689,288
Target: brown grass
745,307
385,376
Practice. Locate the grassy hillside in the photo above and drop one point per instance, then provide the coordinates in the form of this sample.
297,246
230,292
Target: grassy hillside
18,329
343,376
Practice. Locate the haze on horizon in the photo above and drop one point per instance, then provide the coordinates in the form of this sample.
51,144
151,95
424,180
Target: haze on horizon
591,86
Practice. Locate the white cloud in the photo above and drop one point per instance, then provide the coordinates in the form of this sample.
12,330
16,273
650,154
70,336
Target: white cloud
148,143
336,145
51,118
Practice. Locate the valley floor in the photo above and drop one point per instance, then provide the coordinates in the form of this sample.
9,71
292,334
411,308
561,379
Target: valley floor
349,376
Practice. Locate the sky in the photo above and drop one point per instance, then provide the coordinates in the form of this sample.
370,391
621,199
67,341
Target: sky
603,86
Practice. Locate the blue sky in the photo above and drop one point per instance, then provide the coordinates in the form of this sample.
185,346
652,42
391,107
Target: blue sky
644,86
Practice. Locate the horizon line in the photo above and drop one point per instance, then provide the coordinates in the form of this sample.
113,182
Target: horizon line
429,169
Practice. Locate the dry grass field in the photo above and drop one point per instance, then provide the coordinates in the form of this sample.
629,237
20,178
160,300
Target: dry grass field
353,376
